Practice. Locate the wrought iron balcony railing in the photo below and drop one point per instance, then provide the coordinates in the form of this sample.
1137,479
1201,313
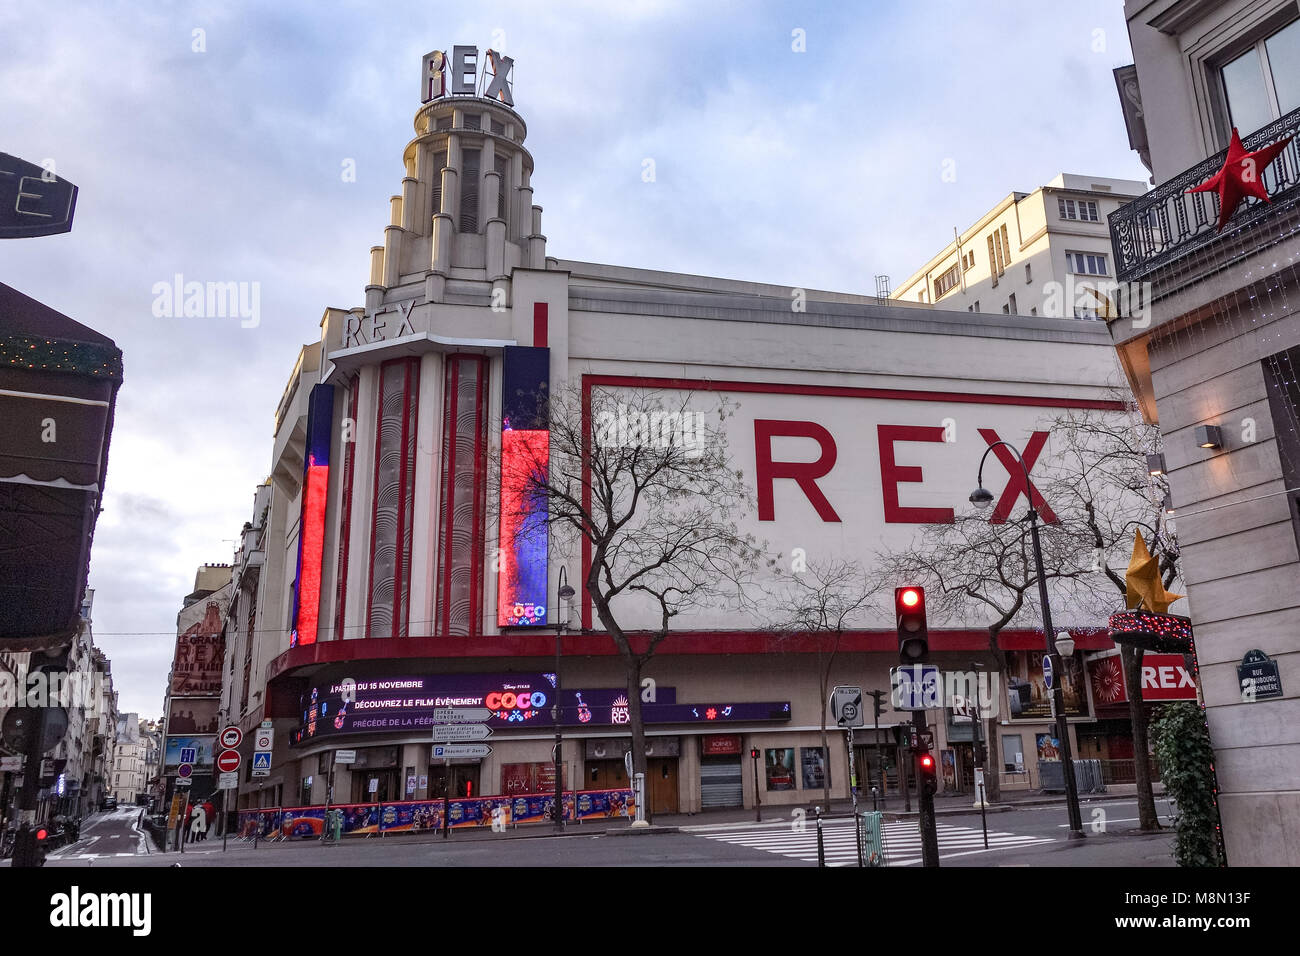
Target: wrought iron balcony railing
1168,222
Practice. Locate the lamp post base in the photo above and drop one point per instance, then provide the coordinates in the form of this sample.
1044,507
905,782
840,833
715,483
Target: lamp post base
640,823
1075,835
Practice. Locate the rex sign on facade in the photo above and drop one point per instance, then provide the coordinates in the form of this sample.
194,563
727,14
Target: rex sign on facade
843,471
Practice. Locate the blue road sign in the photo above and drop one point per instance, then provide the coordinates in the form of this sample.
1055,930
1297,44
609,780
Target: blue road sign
187,754
262,760
1047,670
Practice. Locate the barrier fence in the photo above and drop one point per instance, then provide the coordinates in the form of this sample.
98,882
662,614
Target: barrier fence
415,816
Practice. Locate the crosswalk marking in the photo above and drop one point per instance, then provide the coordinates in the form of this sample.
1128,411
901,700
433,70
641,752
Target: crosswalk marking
902,841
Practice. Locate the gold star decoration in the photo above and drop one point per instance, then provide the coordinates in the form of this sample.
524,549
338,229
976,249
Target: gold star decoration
1142,581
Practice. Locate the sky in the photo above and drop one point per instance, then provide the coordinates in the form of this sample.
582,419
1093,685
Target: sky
814,145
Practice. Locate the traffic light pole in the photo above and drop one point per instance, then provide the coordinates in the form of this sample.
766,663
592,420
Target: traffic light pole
925,802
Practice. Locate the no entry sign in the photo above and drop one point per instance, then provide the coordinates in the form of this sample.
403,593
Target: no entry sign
228,761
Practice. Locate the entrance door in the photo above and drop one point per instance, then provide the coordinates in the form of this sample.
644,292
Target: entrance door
661,784
389,788
464,781
606,775
722,782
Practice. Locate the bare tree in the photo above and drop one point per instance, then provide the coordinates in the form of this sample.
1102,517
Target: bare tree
640,480
974,568
1101,466
819,603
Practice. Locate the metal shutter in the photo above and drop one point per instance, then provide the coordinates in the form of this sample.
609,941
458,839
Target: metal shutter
721,782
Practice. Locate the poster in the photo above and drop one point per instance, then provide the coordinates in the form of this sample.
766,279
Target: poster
812,762
948,761
202,747
191,715
780,768
196,669
1027,695
1049,747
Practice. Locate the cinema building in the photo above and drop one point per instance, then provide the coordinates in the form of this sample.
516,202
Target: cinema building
367,586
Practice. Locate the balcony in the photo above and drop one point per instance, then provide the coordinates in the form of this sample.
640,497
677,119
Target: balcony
1168,223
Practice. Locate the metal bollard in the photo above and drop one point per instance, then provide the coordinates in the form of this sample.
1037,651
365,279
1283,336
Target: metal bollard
821,843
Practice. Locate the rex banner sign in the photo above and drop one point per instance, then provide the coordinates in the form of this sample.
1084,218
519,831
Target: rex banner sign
1165,677
844,472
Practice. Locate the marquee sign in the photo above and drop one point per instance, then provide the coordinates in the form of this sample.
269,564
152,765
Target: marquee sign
462,74
33,201
407,704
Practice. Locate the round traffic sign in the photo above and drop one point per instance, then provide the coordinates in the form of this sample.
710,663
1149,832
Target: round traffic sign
1047,671
228,761
184,770
231,737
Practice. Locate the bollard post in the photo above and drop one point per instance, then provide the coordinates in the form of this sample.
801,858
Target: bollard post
821,844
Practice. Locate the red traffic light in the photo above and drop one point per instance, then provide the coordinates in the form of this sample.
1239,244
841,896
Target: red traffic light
910,597
927,762
753,753
42,833
913,635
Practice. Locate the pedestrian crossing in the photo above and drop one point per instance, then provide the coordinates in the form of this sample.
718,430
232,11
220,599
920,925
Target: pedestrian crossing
902,840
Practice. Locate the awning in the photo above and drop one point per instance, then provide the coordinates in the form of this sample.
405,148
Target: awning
58,388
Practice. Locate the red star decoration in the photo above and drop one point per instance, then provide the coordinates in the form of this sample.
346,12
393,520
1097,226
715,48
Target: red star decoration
1241,176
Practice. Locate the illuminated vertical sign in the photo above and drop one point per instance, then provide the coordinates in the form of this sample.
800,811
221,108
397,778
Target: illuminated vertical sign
525,459
311,529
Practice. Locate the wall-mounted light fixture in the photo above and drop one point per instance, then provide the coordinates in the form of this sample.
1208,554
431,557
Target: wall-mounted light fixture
1168,505
1208,436
1155,465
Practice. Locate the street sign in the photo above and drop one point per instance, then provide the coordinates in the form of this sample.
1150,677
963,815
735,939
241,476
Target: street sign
228,781
231,737
187,754
846,707
450,751
915,687
264,739
345,756
11,764
228,761
447,732
1047,670
183,781
261,763
1259,677
461,715
184,770
266,724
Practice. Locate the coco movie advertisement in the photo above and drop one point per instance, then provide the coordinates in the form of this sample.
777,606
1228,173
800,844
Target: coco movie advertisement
406,703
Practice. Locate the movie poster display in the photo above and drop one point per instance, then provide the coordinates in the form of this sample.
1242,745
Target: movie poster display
196,668
779,764
193,715
812,764
1027,695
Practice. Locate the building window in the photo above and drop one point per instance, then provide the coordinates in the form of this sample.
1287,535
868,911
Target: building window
473,121
1029,275
1011,304
439,164
1078,209
947,282
394,502
1006,310
502,166
469,176
1086,263
464,444
1006,250
1033,310
1263,83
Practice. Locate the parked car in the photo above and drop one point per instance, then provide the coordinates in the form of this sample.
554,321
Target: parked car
108,803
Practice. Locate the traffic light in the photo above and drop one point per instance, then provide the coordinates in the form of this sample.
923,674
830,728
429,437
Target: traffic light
913,636
927,774
30,846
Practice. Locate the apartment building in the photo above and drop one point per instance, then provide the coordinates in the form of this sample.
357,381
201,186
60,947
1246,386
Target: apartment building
1042,253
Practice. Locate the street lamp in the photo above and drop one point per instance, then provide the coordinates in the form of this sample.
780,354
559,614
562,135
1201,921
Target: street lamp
982,498
564,594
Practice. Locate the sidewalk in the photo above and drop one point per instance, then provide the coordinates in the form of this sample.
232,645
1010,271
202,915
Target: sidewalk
672,823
